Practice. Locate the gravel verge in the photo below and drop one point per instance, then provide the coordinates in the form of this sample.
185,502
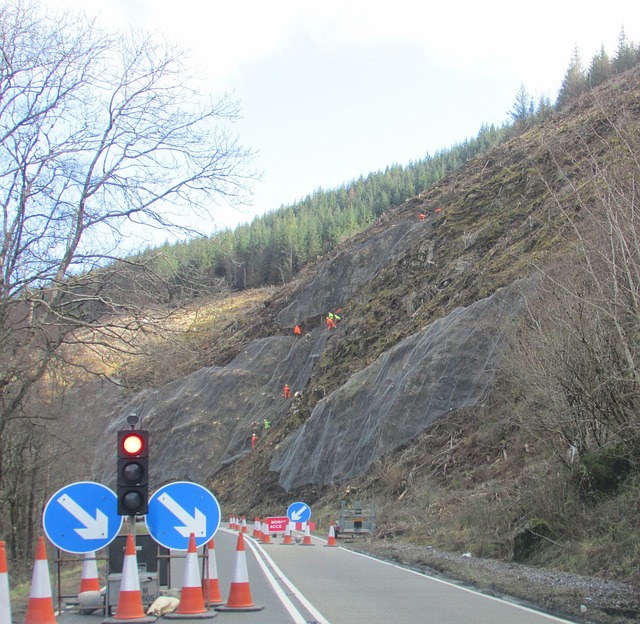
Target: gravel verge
582,599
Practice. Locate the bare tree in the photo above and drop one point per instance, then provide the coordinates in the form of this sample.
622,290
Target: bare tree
576,354
100,134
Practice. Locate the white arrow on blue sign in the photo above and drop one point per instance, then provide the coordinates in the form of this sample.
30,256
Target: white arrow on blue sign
82,517
299,512
180,508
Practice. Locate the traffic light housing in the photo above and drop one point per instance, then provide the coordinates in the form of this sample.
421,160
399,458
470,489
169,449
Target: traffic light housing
133,472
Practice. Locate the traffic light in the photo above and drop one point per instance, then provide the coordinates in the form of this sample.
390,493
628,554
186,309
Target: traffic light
133,472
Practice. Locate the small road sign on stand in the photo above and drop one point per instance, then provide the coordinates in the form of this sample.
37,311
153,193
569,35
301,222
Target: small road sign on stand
82,517
277,524
299,512
181,508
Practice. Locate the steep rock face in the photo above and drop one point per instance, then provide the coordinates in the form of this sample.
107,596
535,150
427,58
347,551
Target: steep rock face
337,279
446,366
206,419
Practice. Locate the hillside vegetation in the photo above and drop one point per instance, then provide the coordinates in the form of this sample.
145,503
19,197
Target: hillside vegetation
552,447
549,451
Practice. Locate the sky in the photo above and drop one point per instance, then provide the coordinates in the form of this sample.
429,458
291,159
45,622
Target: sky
329,91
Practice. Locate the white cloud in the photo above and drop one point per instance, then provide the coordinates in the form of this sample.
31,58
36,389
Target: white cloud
334,89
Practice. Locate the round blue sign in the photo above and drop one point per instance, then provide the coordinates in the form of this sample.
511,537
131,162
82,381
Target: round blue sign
299,512
180,508
82,517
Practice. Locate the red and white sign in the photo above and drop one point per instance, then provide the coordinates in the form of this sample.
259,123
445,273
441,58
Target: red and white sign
277,524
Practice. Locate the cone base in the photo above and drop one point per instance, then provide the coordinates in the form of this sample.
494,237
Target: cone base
140,620
205,615
224,608
213,596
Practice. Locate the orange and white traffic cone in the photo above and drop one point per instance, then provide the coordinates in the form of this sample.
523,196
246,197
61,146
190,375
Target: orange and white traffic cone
211,584
332,536
288,540
89,596
266,536
257,528
191,599
306,540
5,605
240,593
129,608
40,608
243,525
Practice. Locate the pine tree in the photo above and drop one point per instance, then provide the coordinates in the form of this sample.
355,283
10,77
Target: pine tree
600,68
626,54
544,108
574,83
522,110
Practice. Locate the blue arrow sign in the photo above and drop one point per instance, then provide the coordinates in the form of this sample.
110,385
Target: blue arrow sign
82,517
299,512
181,508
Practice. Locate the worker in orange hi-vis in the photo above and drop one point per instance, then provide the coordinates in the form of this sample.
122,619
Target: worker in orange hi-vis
286,392
297,331
421,216
331,324
254,439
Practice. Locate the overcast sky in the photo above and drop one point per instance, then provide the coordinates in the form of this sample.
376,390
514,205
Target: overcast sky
329,91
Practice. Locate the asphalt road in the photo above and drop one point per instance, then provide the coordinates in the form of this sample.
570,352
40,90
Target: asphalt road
333,585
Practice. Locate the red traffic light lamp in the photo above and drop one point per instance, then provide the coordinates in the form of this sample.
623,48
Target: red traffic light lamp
133,472
133,443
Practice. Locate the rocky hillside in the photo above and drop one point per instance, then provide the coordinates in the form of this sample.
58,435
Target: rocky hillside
403,391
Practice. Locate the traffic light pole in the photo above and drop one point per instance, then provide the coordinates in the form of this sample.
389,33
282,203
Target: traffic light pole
132,525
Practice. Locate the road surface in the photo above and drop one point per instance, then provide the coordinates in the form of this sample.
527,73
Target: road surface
333,585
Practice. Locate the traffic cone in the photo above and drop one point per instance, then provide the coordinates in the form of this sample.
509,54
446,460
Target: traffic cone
332,536
191,600
288,540
257,528
211,584
5,605
243,526
240,592
40,608
129,607
306,540
266,536
89,596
